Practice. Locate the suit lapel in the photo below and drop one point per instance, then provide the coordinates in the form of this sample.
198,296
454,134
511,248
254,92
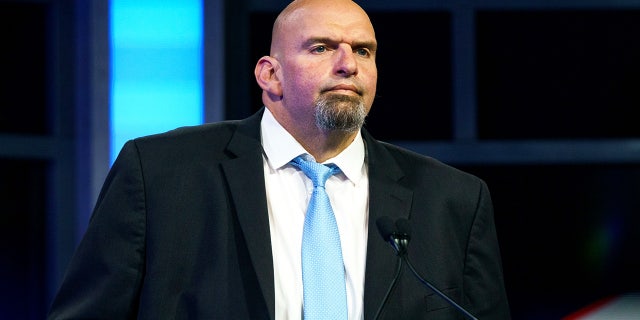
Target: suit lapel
249,198
387,197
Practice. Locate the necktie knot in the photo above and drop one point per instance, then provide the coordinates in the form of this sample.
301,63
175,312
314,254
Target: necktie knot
317,172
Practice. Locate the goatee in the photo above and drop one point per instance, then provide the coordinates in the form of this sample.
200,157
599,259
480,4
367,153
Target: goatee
339,112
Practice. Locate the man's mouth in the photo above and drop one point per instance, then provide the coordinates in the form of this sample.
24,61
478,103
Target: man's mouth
344,89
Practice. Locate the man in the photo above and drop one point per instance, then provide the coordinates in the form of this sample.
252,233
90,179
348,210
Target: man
207,222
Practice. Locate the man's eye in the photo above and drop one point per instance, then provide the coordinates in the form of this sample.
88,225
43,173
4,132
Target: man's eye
319,49
363,52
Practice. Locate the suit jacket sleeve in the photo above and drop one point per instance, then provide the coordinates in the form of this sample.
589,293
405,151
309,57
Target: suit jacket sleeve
483,277
104,276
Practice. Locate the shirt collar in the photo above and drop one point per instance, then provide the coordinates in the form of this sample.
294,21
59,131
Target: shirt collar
280,148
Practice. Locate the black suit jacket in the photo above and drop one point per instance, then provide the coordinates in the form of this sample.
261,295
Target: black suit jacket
180,231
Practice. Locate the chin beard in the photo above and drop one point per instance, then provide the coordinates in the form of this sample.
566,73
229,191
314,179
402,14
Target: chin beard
339,112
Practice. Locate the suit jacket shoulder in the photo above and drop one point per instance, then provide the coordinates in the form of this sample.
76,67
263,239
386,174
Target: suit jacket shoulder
180,230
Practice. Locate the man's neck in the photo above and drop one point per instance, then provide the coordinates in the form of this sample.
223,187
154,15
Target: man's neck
325,145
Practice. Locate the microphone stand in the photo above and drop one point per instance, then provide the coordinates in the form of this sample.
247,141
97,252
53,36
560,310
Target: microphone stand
393,285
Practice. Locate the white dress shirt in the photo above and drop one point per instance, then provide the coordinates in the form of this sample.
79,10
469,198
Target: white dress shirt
288,194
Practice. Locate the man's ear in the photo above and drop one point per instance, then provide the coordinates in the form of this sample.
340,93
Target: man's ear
266,76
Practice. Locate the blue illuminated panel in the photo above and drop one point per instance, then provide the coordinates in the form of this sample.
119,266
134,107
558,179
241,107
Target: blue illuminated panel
156,67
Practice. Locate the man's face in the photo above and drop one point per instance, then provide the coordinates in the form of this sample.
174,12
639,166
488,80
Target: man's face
327,59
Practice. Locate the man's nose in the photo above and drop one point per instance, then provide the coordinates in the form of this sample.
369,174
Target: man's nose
346,64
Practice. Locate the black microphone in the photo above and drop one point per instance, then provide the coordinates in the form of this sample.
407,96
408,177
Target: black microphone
399,240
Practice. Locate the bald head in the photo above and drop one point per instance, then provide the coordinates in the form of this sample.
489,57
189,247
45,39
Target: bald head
299,11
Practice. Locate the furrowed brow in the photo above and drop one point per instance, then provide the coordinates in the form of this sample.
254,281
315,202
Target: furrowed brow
371,45
315,40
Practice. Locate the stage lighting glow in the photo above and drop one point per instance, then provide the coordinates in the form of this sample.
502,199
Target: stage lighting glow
156,67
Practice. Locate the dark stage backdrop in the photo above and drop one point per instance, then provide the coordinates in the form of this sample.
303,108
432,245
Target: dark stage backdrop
536,98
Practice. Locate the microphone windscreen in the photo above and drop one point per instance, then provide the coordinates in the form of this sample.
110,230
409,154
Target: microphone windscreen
403,227
385,227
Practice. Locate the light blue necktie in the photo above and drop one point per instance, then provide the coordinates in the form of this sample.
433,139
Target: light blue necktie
323,279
